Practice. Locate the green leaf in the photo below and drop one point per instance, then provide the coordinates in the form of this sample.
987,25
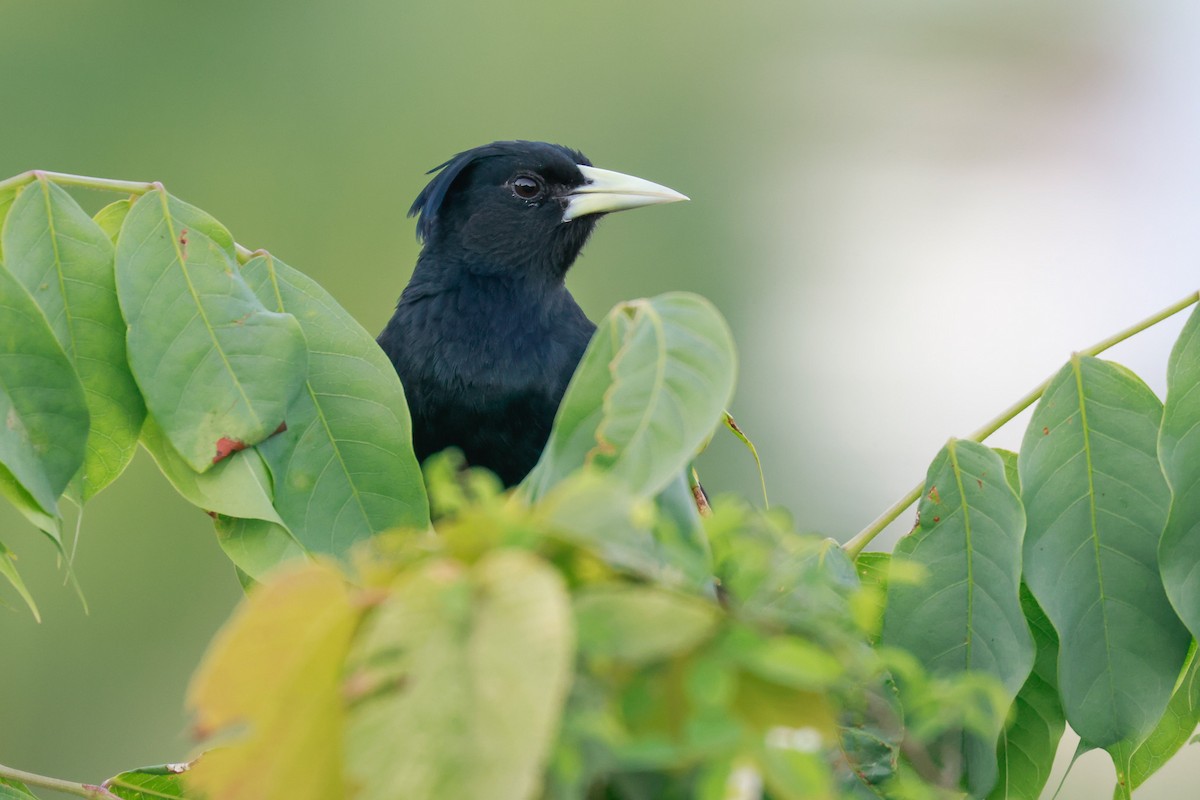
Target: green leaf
8,569
162,782
216,368
1172,731
680,534
793,662
16,494
239,486
43,435
14,790
872,568
600,513
7,198
966,616
1030,739
237,493
256,546
740,435
111,217
639,624
1011,472
344,469
649,391
1096,503
460,678
65,261
1179,452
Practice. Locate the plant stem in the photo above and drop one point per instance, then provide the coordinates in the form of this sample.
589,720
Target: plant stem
857,544
57,784
244,254
67,179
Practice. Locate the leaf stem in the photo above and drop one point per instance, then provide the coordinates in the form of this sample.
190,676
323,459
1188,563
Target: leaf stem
67,179
244,254
57,784
857,544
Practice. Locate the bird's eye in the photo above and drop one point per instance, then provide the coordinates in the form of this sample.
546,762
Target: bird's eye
526,188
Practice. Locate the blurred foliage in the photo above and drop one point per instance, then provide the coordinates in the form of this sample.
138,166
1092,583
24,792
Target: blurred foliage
638,650
509,648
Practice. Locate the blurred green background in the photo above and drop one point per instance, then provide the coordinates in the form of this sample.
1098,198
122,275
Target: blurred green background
910,212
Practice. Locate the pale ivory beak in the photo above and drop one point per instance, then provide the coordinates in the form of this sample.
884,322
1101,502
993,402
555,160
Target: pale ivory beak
607,191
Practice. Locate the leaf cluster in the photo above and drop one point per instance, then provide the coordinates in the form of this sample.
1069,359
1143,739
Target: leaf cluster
597,632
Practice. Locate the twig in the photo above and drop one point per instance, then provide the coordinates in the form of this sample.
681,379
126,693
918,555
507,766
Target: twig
88,790
857,544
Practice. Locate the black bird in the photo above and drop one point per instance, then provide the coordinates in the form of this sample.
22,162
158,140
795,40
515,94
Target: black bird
486,336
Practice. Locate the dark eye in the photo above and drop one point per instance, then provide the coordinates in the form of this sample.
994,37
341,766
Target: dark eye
526,187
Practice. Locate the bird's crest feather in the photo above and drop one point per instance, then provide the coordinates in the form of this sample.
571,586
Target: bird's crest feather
429,201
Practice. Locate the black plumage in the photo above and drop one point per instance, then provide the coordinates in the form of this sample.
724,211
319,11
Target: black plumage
486,336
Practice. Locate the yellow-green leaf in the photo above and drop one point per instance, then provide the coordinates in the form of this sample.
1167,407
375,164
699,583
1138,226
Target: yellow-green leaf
271,679
460,677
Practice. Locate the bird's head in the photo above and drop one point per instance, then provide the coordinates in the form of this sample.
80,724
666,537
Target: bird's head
523,206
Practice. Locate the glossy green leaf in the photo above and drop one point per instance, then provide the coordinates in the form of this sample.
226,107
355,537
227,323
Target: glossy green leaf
216,368
1096,503
163,782
1172,731
463,676
256,546
639,624
1030,738
239,486
112,217
344,469
43,435
966,615
649,391
65,261
1179,452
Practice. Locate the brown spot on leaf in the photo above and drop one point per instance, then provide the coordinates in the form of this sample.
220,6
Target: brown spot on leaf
1045,431
980,482
701,498
934,496
282,427
227,447
183,237
937,519
369,598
